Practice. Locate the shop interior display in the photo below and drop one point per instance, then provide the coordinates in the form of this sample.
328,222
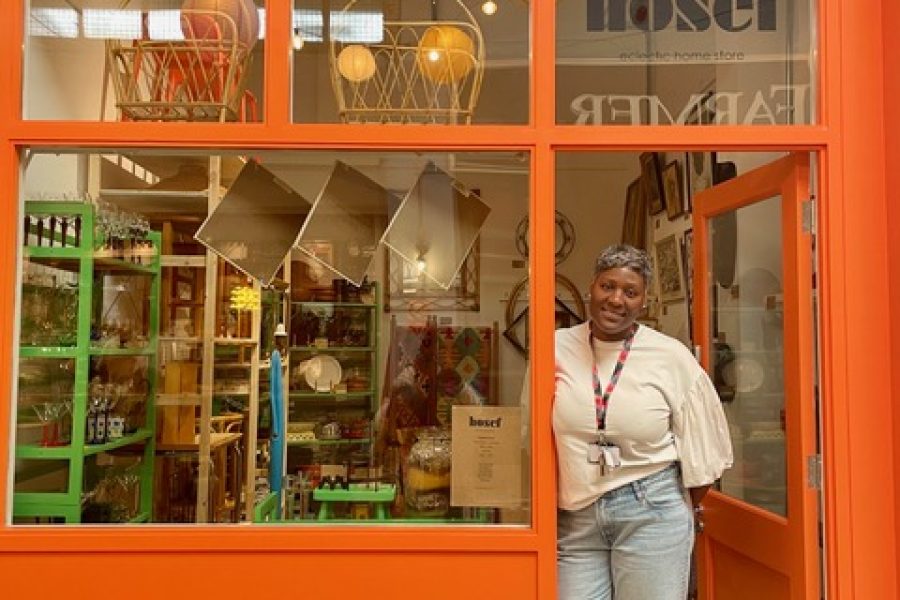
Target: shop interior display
85,428
206,443
363,382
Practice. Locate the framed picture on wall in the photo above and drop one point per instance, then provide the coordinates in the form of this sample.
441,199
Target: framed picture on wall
635,220
652,183
699,169
699,166
687,259
673,189
669,269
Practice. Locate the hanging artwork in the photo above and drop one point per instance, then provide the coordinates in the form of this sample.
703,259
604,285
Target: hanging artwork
635,221
651,180
466,369
687,259
669,270
672,186
569,310
565,237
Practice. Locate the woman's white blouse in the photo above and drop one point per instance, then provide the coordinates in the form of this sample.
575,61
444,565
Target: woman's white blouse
664,408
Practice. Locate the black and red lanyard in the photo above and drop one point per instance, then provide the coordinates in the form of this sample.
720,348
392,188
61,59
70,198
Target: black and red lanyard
601,396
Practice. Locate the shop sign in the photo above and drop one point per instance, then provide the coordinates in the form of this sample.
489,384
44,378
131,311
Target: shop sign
779,104
683,15
487,456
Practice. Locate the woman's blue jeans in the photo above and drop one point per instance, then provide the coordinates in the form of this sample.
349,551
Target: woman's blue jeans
633,543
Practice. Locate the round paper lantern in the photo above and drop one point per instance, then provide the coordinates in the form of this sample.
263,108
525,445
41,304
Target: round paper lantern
356,63
207,26
446,53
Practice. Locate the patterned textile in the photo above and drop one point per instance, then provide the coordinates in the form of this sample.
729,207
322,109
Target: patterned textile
465,369
444,366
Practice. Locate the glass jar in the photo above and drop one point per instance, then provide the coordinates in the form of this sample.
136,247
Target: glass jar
426,480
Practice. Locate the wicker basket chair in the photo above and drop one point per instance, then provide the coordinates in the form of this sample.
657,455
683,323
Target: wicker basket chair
420,72
200,78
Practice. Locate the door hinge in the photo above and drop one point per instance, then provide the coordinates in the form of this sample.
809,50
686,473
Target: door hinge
814,471
809,215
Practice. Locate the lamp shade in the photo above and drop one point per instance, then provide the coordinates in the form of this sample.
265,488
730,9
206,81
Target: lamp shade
356,63
446,53
207,25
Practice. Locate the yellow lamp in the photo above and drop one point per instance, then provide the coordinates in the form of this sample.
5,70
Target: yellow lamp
244,298
446,53
356,63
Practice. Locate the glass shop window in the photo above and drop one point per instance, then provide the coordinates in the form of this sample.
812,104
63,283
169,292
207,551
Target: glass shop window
407,61
292,337
144,60
686,62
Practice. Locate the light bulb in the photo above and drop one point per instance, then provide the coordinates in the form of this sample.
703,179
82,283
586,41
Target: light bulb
420,264
489,7
297,40
434,55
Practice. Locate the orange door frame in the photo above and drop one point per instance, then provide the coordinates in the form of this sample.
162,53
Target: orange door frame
890,21
483,563
779,553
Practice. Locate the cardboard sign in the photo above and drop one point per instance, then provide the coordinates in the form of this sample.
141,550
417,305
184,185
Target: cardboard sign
487,456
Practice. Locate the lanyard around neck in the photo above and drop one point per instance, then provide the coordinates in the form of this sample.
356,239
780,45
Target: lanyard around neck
601,396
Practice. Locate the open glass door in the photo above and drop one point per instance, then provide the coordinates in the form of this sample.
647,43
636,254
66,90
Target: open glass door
754,320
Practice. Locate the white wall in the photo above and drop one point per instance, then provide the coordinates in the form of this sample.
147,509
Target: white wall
63,78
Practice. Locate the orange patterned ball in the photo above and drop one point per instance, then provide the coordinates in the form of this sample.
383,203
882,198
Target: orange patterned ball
207,24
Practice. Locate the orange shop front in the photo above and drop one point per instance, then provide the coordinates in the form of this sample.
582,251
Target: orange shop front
538,118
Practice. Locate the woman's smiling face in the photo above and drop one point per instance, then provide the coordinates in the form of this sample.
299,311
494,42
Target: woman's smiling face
617,299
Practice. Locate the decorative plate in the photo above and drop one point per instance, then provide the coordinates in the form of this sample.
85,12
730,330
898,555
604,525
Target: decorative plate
323,373
565,237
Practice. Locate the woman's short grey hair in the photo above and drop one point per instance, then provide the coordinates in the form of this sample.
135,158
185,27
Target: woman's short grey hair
623,255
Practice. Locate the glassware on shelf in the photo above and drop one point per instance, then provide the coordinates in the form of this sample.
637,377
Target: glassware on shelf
49,309
54,422
427,473
115,498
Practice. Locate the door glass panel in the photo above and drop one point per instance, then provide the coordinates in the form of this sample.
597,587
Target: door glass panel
747,329
649,62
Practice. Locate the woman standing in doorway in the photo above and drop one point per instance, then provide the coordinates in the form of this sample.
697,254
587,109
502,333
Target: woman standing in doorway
640,436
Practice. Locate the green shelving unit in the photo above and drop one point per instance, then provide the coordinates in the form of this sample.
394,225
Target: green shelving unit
70,273
347,332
